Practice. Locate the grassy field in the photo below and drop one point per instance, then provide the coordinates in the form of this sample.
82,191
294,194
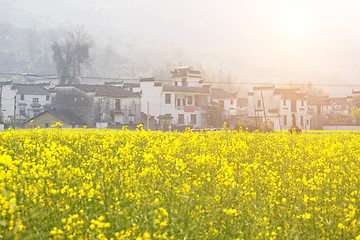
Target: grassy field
86,184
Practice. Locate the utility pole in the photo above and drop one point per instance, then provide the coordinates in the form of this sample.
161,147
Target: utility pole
256,125
262,98
148,117
14,112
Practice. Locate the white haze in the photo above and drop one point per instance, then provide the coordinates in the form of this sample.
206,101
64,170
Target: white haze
257,40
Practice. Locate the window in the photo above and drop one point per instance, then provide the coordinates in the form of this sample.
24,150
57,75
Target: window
175,83
181,118
183,82
167,98
184,101
35,101
302,103
193,118
22,112
190,100
259,103
285,120
22,97
117,104
307,122
47,98
301,120
179,102
284,102
46,125
232,102
293,106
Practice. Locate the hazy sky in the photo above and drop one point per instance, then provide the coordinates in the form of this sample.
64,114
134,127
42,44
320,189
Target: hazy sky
273,37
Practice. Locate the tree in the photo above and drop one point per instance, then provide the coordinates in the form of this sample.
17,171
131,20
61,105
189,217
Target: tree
70,54
355,113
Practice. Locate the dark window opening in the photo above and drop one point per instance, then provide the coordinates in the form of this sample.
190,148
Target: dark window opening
190,100
293,106
117,104
181,118
193,118
183,82
259,103
167,98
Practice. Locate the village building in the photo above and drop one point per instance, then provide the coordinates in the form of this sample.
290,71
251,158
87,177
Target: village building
276,106
31,99
181,102
53,118
319,109
22,101
100,105
227,102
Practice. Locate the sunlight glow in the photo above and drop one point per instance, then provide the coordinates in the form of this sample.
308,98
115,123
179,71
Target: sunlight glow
296,22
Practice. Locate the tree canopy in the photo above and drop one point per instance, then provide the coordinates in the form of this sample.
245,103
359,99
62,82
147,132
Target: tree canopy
70,54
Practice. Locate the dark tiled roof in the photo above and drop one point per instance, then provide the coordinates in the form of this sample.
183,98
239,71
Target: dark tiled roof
185,71
169,88
5,83
30,89
106,91
147,79
289,94
218,93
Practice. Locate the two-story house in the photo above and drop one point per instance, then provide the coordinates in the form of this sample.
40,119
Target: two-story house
31,99
226,101
100,105
182,100
277,105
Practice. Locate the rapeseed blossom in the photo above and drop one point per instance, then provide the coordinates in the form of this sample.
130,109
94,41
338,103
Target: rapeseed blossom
106,184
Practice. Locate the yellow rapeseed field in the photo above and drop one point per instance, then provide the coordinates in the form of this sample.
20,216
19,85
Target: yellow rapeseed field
103,184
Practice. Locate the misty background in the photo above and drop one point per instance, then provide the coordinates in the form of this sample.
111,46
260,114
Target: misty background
238,41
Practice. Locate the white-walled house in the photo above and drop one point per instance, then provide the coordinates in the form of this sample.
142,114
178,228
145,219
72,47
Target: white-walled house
31,99
7,101
280,104
227,101
183,100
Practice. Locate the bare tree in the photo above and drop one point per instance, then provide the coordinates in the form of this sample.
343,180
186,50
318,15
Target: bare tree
70,54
